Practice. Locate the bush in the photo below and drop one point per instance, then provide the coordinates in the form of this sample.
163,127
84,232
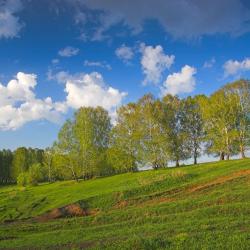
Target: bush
22,179
35,174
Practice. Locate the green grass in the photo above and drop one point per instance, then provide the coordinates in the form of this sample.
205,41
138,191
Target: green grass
194,207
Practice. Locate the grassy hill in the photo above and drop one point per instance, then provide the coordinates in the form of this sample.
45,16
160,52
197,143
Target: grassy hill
194,207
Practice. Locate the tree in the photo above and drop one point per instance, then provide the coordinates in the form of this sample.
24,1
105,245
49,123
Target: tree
194,125
20,162
48,163
92,128
172,117
241,89
220,114
82,143
153,143
22,179
35,174
67,149
119,161
6,158
125,136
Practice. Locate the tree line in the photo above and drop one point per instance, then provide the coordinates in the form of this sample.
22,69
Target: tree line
150,131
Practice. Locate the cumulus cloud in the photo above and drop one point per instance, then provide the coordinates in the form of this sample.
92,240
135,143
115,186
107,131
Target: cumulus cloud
154,62
91,90
19,105
97,64
10,24
182,19
234,67
124,53
68,51
181,82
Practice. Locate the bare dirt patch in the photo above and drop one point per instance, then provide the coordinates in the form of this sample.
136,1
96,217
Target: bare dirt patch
72,210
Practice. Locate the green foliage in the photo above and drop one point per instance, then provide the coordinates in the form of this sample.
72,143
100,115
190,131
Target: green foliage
194,125
172,118
82,142
149,132
35,174
22,179
120,161
23,158
125,136
6,158
32,177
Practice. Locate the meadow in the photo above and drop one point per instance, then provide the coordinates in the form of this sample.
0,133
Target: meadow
206,206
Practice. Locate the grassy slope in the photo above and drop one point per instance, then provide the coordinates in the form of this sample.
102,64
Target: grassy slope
196,207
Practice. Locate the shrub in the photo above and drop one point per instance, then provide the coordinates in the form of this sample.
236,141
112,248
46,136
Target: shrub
22,179
35,174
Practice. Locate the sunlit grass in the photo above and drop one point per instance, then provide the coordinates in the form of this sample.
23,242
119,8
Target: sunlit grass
195,207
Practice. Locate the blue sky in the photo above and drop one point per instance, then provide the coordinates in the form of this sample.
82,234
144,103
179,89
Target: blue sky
56,56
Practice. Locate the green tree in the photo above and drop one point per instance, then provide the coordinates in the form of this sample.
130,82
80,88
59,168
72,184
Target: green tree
82,143
22,179
125,136
119,161
172,118
220,114
91,129
20,162
194,125
6,158
241,89
153,143
67,150
48,157
35,174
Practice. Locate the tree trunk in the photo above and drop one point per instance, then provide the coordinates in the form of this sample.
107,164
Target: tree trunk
177,163
242,152
73,174
50,164
195,160
222,156
75,177
227,144
195,156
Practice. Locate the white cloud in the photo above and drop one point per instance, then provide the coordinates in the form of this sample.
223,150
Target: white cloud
234,67
83,90
209,64
10,24
68,51
124,53
181,82
154,62
91,90
97,64
19,105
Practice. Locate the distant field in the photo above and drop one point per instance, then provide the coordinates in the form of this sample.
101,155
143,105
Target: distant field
195,207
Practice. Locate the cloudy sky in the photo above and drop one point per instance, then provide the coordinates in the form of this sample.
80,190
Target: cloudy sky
56,56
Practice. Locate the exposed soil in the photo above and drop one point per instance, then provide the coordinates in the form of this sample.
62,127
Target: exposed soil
72,210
